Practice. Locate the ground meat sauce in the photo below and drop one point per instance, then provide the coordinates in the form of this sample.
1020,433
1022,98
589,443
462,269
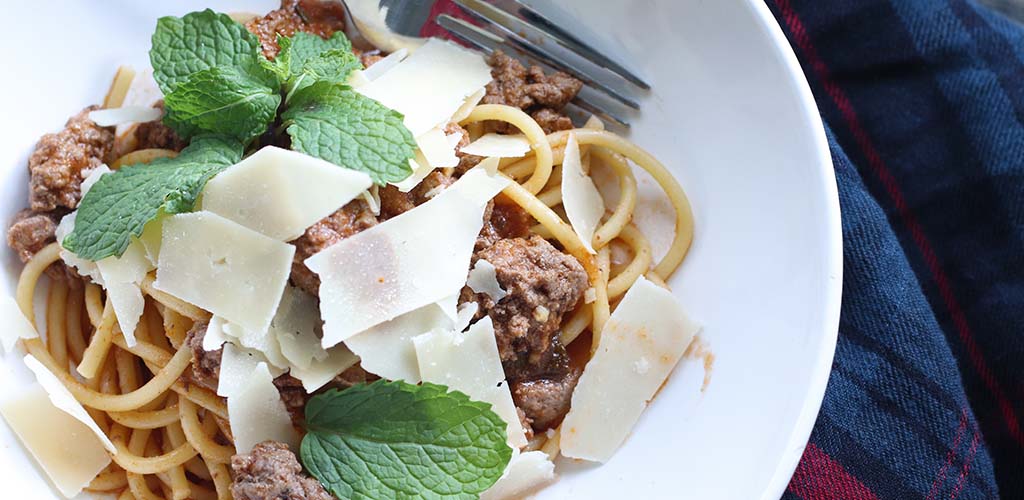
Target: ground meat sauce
543,284
272,472
63,160
542,96
503,219
321,18
31,231
394,202
348,220
205,364
545,401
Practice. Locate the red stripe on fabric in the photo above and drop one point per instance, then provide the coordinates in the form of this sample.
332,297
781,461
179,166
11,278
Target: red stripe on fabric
878,165
967,465
820,477
940,478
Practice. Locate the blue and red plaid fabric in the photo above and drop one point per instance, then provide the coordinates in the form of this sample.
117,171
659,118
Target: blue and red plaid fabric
923,102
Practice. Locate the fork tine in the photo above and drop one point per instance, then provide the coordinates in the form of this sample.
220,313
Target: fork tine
546,48
489,42
542,21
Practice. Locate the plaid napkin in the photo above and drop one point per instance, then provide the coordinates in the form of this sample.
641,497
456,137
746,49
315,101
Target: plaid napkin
923,102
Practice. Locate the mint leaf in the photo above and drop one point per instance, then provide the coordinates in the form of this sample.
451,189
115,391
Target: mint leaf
121,203
281,65
313,59
200,40
222,100
348,129
397,440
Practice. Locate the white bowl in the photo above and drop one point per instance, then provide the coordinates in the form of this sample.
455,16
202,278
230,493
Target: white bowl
730,114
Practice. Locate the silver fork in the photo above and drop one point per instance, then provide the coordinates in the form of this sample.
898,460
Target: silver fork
528,31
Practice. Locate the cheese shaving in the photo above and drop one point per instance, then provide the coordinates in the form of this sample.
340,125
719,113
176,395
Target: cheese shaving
583,204
257,414
484,279
127,114
320,372
382,66
280,193
430,85
498,145
62,399
16,325
602,414
469,363
387,350
525,473
223,267
404,263
295,326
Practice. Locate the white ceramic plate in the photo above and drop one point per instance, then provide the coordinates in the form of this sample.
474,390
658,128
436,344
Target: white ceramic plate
733,118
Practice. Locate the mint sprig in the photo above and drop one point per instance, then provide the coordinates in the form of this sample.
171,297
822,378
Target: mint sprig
121,203
216,81
346,128
397,440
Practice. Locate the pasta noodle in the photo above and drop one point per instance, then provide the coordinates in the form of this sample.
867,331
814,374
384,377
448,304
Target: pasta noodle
172,437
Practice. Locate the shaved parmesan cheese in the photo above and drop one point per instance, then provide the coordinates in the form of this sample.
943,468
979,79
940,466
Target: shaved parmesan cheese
262,342
610,397
295,326
143,92
467,106
223,267
387,350
279,192
320,372
466,313
430,85
469,363
357,79
236,366
404,263
498,145
256,413
435,151
127,114
594,123
121,276
525,473
372,198
450,306
484,279
389,61
84,267
151,237
16,325
62,399
64,447
215,336
583,203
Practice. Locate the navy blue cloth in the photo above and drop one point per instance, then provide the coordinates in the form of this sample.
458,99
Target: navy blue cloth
924,105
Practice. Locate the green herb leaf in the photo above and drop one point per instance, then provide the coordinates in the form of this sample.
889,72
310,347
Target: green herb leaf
313,59
200,40
222,100
336,124
397,440
121,203
281,65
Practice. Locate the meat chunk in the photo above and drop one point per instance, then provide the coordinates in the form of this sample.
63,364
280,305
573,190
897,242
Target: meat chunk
348,220
545,401
31,231
394,202
272,472
321,18
503,219
63,160
542,96
543,284
205,364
